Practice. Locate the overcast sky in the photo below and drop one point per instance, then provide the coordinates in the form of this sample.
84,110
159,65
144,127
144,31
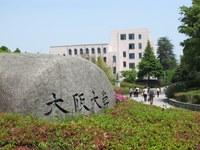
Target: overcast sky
35,25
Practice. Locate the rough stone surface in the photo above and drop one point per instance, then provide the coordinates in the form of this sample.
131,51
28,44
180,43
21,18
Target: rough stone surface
28,81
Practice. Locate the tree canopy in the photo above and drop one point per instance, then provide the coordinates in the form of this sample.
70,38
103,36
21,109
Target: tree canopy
17,50
129,75
149,65
191,27
165,53
4,49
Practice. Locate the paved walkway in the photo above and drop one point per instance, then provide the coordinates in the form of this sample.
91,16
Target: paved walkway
158,101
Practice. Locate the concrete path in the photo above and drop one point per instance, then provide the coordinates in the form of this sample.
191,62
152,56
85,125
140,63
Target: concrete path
158,101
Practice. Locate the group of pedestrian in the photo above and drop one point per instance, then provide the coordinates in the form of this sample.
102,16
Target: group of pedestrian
151,92
134,91
147,93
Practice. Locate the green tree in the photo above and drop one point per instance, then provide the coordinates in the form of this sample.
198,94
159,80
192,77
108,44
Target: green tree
165,53
4,49
129,75
191,27
101,64
17,51
149,65
181,73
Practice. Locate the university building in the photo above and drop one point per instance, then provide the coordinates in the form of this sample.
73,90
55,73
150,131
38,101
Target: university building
124,52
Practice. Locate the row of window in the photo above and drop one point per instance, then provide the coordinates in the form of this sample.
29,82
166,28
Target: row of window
132,45
132,55
131,36
87,51
131,65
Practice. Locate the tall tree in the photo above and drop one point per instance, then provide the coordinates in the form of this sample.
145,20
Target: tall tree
165,53
149,65
191,27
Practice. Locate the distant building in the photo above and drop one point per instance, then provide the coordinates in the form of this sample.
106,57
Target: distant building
124,52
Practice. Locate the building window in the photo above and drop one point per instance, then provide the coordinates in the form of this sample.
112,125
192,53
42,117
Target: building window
114,59
124,64
114,70
81,51
139,36
124,54
99,50
131,46
75,51
104,50
140,45
131,65
93,50
131,56
70,52
87,51
123,36
140,55
104,59
131,36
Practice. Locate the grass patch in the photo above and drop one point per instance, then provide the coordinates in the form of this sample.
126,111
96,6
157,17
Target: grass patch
192,97
130,125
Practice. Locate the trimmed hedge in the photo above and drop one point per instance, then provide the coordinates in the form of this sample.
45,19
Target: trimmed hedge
182,87
192,97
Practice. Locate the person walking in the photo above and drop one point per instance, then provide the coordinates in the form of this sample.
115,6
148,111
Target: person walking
145,92
137,91
158,92
151,95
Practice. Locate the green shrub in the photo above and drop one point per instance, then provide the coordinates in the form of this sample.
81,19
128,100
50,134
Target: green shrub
192,97
121,90
174,88
196,99
129,75
126,84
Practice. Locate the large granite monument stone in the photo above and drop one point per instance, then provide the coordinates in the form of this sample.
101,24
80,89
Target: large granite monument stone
45,85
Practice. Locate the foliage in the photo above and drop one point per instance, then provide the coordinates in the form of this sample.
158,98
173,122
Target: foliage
192,97
129,75
149,65
101,64
121,90
17,50
191,27
120,97
129,125
174,88
125,84
165,53
181,72
168,75
182,87
4,49
124,89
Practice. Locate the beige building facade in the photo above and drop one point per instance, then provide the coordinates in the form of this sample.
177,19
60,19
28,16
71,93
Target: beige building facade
124,52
